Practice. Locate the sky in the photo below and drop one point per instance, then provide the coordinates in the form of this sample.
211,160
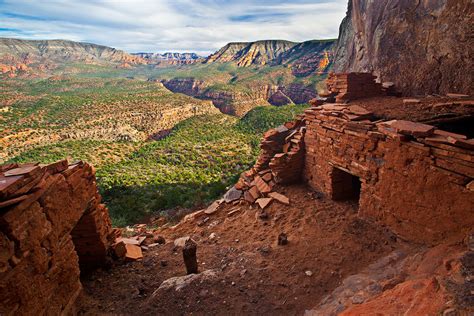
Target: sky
201,26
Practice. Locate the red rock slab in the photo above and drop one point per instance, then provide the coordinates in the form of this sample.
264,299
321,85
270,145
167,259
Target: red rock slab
248,197
457,95
212,208
254,192
262,185
411,101
279,197
470,186
446,134
25,171
333,107
58,166
13,201
8,167
261,173
412,128
358,110
264,202
128,251
463,143
267,177
6,182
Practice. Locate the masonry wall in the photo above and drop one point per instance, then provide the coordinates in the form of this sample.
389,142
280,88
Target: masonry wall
52,226
420,186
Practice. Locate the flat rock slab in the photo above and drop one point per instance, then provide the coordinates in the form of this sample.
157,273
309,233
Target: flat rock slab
131,241
279,197
179,283
180,242
212,208
264,202
446,134
232,195
262,185
358,110
457,95
412,128
411,101
333,107
128,251
5,182
22,171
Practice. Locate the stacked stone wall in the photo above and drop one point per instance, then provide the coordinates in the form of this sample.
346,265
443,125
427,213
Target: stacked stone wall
52,227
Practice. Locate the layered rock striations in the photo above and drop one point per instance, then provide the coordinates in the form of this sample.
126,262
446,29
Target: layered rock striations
304,58
424,47
52,227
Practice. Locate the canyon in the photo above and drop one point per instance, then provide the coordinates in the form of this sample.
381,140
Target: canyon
359,202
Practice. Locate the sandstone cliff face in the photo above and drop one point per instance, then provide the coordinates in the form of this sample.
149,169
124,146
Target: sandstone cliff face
308,58
423,46
254,53
240,102
303,58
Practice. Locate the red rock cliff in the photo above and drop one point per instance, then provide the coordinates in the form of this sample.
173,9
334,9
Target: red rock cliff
423,46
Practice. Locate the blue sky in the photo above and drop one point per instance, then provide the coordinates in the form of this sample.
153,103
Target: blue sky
201,26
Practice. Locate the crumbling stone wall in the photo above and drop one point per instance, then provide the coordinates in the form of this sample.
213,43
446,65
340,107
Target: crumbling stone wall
414,178
52,226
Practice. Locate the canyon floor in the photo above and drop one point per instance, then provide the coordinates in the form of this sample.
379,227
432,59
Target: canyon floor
244,270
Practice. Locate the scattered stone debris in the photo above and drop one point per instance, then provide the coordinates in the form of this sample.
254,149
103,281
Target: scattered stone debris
308,273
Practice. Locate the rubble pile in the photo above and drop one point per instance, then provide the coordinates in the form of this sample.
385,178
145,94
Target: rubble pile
280,162
355,85
52,227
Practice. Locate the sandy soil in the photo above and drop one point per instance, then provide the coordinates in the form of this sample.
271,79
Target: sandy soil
327,242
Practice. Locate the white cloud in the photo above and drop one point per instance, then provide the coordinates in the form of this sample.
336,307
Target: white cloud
171,25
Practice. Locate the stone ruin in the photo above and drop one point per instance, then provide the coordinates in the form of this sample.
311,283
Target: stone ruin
413,177
52,227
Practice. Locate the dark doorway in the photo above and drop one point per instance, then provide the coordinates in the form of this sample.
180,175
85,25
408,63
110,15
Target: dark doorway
463,125
345,186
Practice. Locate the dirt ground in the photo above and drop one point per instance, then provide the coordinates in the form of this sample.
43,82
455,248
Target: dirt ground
253,274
